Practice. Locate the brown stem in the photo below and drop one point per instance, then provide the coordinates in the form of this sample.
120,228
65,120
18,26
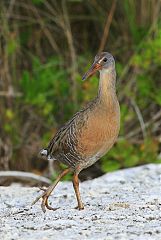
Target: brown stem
107,26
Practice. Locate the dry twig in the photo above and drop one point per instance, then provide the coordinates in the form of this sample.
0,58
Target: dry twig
24,176
107,26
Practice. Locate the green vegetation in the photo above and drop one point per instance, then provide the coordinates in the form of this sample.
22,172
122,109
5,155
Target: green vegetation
46,46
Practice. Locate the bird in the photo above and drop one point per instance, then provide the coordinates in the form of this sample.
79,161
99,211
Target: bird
90,133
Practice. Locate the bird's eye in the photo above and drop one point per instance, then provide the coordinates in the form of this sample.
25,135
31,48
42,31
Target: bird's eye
105,59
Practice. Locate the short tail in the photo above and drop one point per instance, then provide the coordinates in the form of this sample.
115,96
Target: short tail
44,154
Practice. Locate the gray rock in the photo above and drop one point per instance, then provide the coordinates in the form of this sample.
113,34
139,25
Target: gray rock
124,205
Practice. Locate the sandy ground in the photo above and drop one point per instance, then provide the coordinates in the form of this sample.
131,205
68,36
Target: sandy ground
122,205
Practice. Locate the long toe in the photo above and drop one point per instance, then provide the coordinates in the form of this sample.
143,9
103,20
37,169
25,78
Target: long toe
43,189
49,207
81,207
43,204
38,198
43,195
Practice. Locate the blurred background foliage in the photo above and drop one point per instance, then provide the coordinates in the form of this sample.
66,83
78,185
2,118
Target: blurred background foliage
47,45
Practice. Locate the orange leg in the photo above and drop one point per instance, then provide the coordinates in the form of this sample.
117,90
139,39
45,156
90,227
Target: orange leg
76,188
45,195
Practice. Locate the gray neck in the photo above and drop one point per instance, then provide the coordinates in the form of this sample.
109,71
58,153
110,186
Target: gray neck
107,82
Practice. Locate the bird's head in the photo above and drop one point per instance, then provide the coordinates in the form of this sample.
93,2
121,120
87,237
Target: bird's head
103,61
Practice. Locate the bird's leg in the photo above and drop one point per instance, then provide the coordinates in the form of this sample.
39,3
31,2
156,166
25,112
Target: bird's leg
76,189
45,195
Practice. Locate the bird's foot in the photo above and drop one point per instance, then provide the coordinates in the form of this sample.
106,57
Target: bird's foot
80,206
45,195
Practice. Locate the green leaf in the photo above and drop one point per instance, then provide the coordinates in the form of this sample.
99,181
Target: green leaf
11,46
37,2
109,166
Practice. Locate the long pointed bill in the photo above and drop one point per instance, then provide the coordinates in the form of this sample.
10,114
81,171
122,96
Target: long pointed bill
93,69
